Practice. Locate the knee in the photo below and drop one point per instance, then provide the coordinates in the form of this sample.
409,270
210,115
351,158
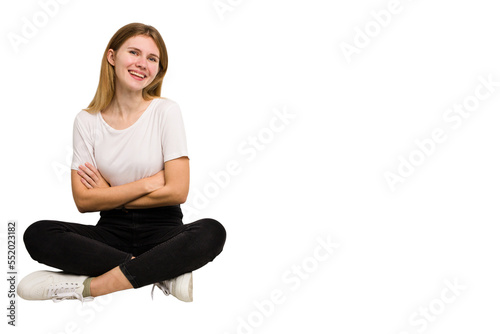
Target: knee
35,235
215,233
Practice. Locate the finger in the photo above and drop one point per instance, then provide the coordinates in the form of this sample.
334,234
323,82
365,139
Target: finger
84,175
90,173
86,183
99,179
92,168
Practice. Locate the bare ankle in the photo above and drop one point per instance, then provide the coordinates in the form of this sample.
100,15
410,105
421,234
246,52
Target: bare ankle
109,282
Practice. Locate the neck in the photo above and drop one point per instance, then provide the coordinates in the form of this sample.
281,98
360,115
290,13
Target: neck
126,102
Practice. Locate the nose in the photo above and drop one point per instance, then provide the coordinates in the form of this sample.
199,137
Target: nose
141,62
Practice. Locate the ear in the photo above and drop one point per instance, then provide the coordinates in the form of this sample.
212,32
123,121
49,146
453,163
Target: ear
111,57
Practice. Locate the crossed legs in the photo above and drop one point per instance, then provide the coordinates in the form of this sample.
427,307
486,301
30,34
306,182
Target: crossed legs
101,253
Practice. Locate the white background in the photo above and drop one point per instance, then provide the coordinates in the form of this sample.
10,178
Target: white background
321,177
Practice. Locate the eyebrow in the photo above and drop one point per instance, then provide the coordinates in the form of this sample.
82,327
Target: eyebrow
131,47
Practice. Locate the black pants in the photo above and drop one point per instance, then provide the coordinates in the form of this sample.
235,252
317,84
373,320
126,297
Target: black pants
162,245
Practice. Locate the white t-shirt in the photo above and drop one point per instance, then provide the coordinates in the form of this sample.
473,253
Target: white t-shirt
139,151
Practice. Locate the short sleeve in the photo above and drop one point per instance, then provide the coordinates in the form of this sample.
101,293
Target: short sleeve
173,134
83,149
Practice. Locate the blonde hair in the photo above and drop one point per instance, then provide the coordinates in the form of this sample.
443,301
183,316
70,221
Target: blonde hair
106,88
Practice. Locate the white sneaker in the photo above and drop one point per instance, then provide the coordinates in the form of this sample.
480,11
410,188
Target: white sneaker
46,285
180,287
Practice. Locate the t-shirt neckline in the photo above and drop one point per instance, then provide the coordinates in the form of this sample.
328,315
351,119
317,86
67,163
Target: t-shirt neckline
131,126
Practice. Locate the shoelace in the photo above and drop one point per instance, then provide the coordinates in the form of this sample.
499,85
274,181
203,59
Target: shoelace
162,286
64,291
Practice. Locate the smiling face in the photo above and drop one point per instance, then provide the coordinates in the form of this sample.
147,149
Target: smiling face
136,63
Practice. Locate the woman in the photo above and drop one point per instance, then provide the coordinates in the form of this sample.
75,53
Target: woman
130,163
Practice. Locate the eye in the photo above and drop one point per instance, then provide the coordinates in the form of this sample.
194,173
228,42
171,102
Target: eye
131,51
153,59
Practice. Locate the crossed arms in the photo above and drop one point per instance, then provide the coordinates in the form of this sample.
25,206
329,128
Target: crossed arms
170,186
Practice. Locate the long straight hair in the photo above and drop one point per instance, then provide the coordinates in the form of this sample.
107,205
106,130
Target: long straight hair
106,88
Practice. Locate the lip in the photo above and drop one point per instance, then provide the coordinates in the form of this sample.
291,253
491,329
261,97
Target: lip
144,74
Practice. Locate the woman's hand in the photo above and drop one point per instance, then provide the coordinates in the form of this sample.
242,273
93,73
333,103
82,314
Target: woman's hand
91,177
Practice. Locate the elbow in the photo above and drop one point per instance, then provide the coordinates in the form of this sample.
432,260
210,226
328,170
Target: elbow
181,197
85,209
175,195
80,201
78,204
81,208
82,205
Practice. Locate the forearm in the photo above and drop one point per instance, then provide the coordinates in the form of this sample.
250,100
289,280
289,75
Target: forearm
165,196
97,199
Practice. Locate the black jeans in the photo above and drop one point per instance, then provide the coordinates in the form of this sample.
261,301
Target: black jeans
162,245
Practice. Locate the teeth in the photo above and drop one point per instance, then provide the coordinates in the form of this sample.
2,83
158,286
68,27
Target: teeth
138,74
